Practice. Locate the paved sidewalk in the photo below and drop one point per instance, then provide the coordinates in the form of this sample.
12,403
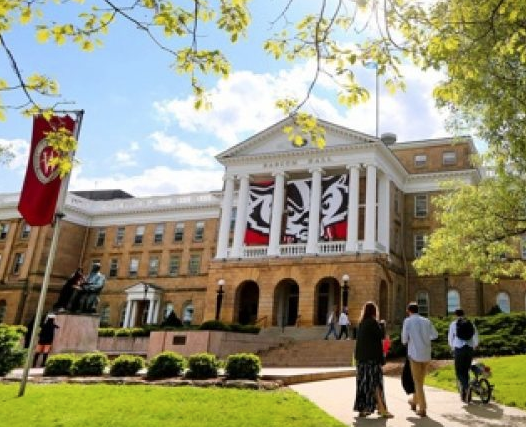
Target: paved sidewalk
336,397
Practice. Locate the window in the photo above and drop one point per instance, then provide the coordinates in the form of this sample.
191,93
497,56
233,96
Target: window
26,230
175,263
453,301
194,266
17,264
139,234
179,232
420,160
105,316
449,158
199,231
101,237
503,301
188,313
233,219
114,267
134,267
420,244
119,236
159,233
421,205
3,309
153,266
422,299
168,308
4,229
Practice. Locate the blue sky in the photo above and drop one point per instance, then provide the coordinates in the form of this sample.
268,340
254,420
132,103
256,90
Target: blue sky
140,132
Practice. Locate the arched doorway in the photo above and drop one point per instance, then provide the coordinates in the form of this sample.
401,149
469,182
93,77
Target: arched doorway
327,296
383,303
286,299
247,301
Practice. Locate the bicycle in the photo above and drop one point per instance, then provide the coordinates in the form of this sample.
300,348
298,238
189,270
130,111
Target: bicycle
480,385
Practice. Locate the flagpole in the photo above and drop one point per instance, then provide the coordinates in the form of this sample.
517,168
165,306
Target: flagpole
377,102
52,251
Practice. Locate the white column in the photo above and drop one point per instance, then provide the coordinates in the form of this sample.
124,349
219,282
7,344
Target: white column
241,218
133,313
352,209
277,211
127,316
151,307
384,211
226,214
314,212
155,318
370,210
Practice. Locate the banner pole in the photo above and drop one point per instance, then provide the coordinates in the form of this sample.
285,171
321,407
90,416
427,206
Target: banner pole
49,265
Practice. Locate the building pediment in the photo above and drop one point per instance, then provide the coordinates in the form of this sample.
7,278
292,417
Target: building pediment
274,142
143,289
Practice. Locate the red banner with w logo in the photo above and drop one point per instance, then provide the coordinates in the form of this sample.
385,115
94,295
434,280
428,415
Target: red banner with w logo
41,188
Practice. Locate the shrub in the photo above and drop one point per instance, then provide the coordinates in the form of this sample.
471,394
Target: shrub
214,325
90,364
126,365
11,353
106,332
202,365
59,364
245,329
243,366
123,332
166,364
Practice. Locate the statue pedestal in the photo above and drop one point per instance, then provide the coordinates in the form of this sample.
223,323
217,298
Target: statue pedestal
77,333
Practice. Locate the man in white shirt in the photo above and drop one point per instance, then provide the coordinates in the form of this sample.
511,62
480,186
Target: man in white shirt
462,350
344,324
417,334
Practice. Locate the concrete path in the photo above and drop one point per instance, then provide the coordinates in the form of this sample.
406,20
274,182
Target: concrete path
336,397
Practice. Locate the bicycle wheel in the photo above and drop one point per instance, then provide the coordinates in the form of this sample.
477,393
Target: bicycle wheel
485,390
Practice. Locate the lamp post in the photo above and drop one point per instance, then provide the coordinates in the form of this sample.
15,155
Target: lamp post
345,294
219,297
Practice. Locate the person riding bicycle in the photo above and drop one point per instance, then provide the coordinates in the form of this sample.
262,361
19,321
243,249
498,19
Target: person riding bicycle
463,338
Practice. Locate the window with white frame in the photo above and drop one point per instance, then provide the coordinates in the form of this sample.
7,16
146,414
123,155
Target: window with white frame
101,237
175,264
114,267
420,205
139,234
119,236
420,160
134,267
26,231
153,266
3,309
422,300
18,262
168,308
159,233
4,229
503,301
105,316
453,301
194,265
420,244
449,158
199,231
179,232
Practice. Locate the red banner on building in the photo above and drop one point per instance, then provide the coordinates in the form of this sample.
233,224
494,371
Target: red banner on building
41,188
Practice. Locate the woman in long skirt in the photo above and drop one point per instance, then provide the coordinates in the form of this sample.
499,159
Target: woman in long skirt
370,358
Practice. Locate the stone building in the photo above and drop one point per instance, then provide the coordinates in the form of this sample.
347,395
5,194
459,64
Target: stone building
294,231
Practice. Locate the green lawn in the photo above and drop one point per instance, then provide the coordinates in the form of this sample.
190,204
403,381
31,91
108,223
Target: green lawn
508,377
142,406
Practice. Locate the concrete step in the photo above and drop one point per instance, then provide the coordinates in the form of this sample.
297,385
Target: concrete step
296,333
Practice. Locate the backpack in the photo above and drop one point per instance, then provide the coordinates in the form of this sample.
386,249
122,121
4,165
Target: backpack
465,329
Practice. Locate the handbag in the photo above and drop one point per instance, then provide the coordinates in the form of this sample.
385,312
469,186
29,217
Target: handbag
407,378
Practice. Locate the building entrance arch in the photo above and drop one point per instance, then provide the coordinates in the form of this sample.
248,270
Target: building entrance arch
286,301
327,296
247,301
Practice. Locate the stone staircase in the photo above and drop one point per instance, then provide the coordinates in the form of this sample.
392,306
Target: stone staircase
309,353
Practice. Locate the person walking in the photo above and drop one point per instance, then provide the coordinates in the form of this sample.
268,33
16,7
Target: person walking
369,357
463,338
331,323
45,340
344,323
417,334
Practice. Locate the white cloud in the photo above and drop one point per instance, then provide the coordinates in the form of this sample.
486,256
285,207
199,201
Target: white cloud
159,180
19,148
183,152
126,157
